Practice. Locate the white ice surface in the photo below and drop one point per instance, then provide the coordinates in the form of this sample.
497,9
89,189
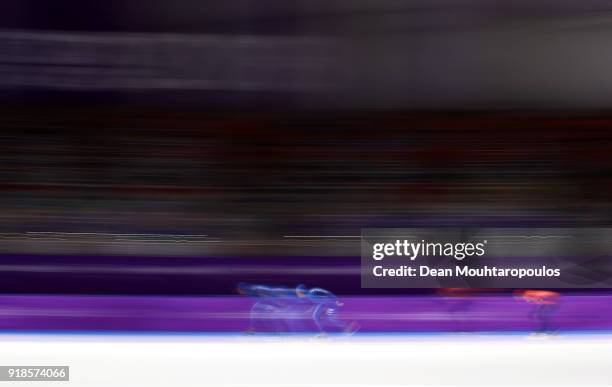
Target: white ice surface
150,360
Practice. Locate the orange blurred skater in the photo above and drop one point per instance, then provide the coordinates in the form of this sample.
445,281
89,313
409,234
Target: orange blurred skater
544,297
545,305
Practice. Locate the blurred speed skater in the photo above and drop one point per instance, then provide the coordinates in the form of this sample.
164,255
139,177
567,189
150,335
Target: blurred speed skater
545,305
286,309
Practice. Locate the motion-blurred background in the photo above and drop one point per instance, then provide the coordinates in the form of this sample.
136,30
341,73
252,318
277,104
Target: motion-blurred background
178,148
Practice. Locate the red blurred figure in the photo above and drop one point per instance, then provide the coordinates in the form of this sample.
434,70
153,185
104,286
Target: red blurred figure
545,305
